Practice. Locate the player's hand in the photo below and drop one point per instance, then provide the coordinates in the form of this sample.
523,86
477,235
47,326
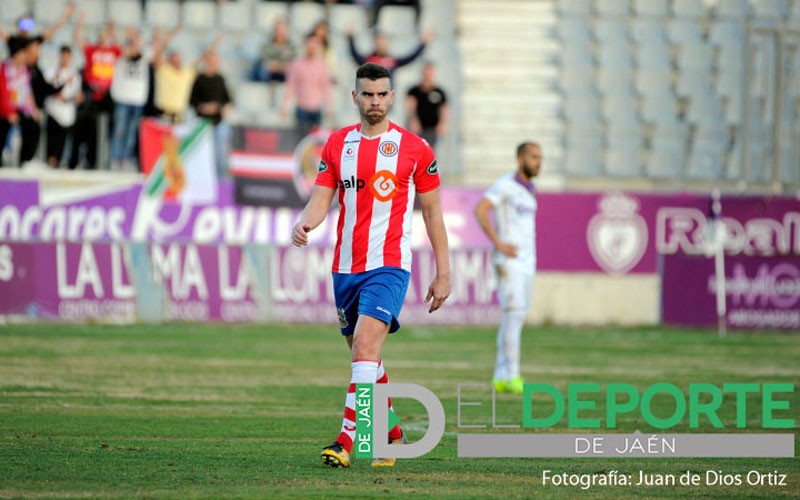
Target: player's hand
507,249
439,291
300,234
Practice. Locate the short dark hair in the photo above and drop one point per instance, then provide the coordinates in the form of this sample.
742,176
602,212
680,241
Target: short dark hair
65,49
521,148
372,71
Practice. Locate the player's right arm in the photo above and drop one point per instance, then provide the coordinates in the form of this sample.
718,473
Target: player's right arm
482,211
313,215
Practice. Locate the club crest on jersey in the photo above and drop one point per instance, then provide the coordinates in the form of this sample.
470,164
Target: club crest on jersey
388,148
433,169
348,151
322,166
384,185
350,183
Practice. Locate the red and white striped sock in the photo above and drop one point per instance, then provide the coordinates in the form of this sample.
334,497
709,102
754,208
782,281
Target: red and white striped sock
364,372
394,432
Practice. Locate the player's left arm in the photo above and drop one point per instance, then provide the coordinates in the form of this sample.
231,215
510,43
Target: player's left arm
434,224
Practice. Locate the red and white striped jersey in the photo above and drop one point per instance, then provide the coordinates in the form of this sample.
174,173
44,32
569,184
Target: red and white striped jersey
377,178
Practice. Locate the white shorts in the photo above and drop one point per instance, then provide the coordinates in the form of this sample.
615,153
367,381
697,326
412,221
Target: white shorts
514,288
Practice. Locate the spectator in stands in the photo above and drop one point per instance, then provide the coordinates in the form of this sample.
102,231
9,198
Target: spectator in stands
426,105
26,25
174,80
98,73
129,87
61,107
211,100
18,106
381,56
308,82
275,55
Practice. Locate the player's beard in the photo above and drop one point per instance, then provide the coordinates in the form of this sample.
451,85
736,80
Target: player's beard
374,117
530,171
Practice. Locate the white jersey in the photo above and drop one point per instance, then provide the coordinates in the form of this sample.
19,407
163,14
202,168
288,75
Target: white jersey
515,221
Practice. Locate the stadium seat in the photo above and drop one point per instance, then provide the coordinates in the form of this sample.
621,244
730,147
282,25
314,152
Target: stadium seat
705,110
775,10
620,112
44,11
126,13
94,10
303,16
727,31
732,9
397,20
576,56
648,30
615,57
584,152
583,111
14,9
574,30
235,16
653,56
695,56
690,9
265,14
655,84
344,16
575,7
624,150
198,14
730,59
693,83
666,159
611,31
254,99
614,83
612,7
657,8
577,82
660,110
163,13
706,159
684,31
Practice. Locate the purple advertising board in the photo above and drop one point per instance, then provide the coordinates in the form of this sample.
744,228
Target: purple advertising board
613,233
760,292
189,282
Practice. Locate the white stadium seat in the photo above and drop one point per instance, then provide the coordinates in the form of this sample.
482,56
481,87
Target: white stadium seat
198,14
303,16
265,14
235,16
656,8
693,9
163,13
575,7
397,20
95,11
126,12
612,7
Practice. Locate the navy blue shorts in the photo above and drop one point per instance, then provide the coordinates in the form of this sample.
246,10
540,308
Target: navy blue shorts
378,293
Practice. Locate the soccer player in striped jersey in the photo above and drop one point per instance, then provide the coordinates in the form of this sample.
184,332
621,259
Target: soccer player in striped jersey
514,237
375,168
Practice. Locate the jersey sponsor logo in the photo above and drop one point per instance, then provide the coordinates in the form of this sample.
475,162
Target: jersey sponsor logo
433,168
388,148
352,182
384,185
322,166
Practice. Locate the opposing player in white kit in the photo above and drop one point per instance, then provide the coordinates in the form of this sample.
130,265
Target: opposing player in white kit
513,234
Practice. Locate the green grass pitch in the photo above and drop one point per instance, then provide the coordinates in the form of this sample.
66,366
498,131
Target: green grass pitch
221,411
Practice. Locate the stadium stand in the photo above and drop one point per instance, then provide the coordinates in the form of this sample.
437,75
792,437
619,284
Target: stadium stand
629,90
